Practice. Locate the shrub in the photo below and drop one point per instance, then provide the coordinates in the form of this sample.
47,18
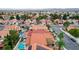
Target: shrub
74,32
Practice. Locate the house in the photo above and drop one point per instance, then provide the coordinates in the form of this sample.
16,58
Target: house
48,22
65,21
1,22
6,21
6,29
36,27
20,21
12,27
34,21
77,22
27,22
39,35
58,21
3,33
45,21
13,21
71,26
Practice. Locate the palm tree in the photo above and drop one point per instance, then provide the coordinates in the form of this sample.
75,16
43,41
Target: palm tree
61,35
66,24
11,40
60,44
60,41
7,43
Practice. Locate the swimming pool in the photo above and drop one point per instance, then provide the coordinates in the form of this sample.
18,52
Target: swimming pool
21,46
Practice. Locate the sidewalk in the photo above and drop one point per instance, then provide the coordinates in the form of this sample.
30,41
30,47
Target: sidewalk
69,35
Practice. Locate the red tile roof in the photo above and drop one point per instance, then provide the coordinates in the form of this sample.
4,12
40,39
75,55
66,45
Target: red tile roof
36,27
4,33
12,27
71,27
38,36
13,20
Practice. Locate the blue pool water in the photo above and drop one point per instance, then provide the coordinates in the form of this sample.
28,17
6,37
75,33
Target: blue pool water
21,46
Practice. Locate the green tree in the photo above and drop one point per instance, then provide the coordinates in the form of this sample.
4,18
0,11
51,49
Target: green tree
34,14
12,17
60,44
65,16
8,43
41,17
50,42
1,17
61,35
23,17
55,16
11,40
60,41
66,24
76,17
17,17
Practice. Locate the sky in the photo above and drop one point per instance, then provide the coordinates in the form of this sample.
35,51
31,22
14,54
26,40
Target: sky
33,4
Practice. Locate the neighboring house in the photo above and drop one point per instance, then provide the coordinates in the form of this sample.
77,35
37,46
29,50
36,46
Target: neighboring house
6,22
1,21
36,27
6,29
12,27
45,21
27,22
3,33
71,26
77,22
48,22
6,16
34,21
13,21
65,21
20,21
58,21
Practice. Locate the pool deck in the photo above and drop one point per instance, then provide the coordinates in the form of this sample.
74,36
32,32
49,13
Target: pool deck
16,47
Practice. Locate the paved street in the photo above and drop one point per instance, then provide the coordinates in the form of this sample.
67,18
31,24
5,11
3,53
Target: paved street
69,44
56,28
